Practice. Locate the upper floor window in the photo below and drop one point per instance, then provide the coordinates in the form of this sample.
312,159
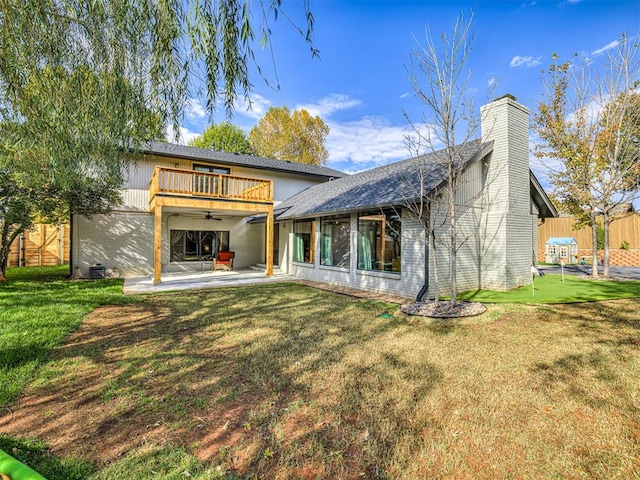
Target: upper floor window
211,184
212,169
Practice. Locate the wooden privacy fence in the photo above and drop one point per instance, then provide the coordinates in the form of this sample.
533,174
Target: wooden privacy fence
41,246
625,229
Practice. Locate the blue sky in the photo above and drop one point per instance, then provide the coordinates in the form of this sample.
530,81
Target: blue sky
360,85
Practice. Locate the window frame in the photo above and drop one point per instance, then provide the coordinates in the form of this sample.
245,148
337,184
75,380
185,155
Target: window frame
337,243
376,258
308,242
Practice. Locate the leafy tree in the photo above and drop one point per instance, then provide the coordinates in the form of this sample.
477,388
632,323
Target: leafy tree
16,209
295,136
223,136
83,85
589,124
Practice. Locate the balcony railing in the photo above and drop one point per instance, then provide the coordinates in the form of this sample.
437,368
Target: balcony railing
174,181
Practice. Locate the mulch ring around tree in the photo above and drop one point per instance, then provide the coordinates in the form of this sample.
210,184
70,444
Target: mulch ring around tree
444,309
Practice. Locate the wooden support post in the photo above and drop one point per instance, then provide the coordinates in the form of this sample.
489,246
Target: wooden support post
269,232
157,244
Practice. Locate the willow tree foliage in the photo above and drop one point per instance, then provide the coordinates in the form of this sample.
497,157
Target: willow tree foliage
83,84
224,137
589,126
296,136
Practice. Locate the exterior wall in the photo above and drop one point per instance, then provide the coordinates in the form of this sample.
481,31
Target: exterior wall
124,241
120,241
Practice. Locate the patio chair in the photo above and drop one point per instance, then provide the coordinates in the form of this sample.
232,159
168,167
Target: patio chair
224,261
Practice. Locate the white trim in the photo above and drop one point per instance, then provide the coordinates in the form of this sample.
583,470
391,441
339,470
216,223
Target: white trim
333,268
304,264
376,273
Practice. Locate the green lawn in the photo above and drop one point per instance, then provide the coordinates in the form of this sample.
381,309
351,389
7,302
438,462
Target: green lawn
39,307
551,289
286,381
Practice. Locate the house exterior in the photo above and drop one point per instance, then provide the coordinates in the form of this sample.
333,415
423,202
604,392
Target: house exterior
359,232
181,204
561,249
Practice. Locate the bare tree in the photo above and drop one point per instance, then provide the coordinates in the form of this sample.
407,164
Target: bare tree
441,80
589,124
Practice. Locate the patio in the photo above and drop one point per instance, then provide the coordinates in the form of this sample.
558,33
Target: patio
188,281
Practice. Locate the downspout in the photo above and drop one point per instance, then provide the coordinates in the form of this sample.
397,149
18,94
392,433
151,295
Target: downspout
425,288
70,245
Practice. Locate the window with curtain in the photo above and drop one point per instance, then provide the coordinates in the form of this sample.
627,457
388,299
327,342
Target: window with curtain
196,246
335,241
379,241
303,245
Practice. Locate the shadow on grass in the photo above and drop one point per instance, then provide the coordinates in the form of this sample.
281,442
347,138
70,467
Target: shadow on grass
39,307
243,361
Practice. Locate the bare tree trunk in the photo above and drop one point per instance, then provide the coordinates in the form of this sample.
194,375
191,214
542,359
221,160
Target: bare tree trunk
594,240
436,276
453,248
606,220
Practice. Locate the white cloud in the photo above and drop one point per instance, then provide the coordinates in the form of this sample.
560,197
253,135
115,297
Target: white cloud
492,82
405,95
367,142
608,46
573,2
254,108
526,62
326,106
195,109
185,135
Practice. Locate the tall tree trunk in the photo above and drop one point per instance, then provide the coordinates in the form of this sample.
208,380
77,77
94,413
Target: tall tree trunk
453,248
606,220
436,277
594,240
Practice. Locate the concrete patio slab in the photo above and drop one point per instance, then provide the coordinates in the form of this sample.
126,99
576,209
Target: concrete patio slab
190,281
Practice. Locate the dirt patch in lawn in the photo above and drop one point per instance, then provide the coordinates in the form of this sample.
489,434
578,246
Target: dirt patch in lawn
105,393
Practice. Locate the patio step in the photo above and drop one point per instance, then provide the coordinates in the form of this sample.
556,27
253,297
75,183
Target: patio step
261,267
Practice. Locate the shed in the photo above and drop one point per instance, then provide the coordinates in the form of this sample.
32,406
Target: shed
559,249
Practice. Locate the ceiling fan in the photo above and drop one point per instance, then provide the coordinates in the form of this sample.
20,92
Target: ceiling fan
208,216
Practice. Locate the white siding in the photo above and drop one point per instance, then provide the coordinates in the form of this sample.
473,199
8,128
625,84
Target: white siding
123,241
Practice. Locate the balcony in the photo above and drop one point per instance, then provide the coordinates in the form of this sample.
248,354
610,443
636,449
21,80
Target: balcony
211,186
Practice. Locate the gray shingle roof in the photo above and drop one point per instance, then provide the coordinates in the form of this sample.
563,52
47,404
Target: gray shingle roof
384,186
227,158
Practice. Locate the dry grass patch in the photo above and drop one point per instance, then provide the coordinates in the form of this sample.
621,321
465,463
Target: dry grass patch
285,381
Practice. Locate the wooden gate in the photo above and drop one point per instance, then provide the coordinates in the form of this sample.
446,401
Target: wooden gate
41,246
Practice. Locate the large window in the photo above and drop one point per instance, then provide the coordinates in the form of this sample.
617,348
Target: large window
379,241
335,241
194,246
303,241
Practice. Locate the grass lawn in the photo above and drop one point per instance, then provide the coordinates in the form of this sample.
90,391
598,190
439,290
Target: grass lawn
39,307
551,289
285,381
